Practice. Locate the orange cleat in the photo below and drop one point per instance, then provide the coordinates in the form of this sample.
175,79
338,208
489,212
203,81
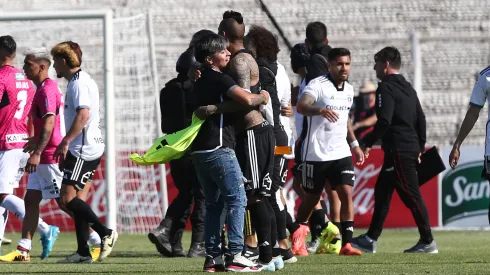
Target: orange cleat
298,240
348,250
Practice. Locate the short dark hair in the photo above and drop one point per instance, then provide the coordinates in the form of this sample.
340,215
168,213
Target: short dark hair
337,52
208,45
316,33
233,15
389,54
198,35
265,42
8,44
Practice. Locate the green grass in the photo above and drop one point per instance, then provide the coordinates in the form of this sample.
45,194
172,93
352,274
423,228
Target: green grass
460,252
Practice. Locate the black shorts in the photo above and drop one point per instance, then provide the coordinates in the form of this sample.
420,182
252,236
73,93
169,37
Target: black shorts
337,172
280,172
77,171
255,154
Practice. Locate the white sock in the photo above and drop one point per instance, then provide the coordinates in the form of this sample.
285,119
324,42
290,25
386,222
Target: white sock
16,206
4,216
94,239
26,244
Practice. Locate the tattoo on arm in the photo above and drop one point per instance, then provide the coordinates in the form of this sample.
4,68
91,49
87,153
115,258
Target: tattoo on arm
45,133
240,71
305,106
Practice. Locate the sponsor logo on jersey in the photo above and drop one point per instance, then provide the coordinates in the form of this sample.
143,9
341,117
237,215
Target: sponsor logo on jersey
337,108
19,76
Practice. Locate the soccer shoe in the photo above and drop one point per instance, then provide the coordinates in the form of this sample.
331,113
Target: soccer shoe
326,237
364,243
75,258
298,240
213,264
278,262
6,241
334,246
421,247
196,250
48,240
287,256
312,246
251,253
348,250
266,266
239,263
107,245
95,252
16,256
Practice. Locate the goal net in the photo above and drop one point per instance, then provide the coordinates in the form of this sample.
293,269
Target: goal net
139,207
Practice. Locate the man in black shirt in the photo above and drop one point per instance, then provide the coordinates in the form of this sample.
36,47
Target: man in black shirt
401,126
214,158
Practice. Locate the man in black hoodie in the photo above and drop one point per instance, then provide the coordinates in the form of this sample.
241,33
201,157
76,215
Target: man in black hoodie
401,126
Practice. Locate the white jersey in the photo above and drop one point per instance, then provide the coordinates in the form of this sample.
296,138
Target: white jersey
297,116
82,92
283,86
479,96
324,140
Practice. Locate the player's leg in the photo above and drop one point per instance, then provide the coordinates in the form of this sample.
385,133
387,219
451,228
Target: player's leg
74,180
94,238
342,180
408,189
4,216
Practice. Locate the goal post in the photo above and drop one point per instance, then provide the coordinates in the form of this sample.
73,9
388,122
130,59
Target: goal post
119,53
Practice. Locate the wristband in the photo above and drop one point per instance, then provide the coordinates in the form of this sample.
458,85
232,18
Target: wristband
354,144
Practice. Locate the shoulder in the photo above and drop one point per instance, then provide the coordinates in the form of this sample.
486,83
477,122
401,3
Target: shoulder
485,72
320,81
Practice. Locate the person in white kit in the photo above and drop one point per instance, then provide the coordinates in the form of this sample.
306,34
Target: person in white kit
326,103
16,96
479,96
81,150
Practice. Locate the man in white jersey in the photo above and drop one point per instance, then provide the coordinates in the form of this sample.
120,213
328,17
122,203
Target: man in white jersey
478,98
326,102
80,151
16,95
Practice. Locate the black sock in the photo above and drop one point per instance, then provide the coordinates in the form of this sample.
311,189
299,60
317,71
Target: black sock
83,210
280,218
489,213
339,225
83,233
262,223
317,223
273,224
347,231
290,225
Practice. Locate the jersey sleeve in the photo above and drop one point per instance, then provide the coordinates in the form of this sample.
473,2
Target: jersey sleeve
81,96
49,106
312,89
479,93
227,83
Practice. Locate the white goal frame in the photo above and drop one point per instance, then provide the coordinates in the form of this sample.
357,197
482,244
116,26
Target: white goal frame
109,113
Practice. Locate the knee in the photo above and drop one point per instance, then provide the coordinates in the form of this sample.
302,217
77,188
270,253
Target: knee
32,198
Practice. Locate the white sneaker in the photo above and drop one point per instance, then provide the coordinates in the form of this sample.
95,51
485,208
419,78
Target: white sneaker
75,258
107,245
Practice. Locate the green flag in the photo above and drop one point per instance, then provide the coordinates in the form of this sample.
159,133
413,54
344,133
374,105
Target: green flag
171,146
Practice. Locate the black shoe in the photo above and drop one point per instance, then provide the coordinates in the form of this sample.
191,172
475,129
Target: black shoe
160,238
176,241
251,253
213,264
196,250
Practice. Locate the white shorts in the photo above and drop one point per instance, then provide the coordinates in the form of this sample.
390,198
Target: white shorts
12,164
46,179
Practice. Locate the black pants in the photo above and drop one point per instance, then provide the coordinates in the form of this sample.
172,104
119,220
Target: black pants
399,172
190,190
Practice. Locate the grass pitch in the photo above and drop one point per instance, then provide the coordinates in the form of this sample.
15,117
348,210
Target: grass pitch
460,252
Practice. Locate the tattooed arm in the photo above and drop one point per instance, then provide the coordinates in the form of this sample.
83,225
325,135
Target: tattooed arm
232,106
44,138
240,70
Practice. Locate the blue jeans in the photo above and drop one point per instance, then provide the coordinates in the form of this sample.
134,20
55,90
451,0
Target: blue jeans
222,182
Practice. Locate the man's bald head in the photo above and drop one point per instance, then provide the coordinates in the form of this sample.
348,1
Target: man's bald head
232,26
